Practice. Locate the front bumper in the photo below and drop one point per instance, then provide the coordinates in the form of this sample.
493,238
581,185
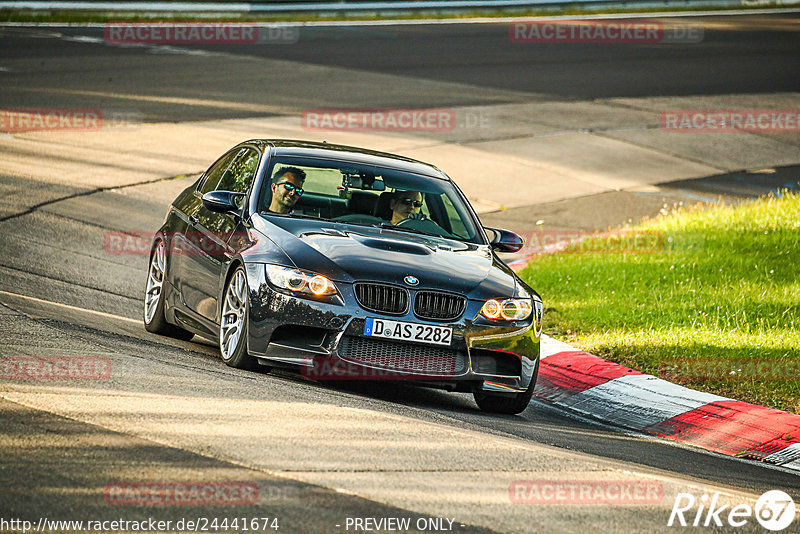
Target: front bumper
326,339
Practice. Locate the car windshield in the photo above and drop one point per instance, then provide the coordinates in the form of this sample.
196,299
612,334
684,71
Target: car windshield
369,195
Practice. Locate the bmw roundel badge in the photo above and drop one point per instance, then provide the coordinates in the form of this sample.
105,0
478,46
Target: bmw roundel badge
411,280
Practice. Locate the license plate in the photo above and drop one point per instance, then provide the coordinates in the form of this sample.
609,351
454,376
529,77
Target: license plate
421,333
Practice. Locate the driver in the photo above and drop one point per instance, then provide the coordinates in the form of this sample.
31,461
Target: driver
287,188
405,205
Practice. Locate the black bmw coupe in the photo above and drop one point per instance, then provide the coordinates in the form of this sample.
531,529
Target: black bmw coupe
348,264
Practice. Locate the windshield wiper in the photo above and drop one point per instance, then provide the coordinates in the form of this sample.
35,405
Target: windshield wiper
391,226
418,232
292,215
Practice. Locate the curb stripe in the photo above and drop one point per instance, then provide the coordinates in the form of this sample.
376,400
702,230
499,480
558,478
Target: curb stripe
589,385
565,374
638,401
777,451
550,346
730,427
786,455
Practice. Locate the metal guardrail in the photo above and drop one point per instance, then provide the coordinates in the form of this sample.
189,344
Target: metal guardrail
347,6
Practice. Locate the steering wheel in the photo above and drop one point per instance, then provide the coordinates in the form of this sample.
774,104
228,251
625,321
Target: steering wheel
413,218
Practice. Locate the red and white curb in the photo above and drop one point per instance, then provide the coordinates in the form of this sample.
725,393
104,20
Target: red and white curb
591,386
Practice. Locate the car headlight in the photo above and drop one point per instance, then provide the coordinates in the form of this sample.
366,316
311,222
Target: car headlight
298,281
507,309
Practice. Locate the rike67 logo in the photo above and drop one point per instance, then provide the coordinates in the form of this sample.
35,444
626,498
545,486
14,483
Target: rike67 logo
774,510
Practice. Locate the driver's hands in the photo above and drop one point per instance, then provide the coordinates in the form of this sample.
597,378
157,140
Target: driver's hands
416,217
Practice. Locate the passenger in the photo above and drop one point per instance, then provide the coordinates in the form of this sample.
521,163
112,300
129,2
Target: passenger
405,205
287,188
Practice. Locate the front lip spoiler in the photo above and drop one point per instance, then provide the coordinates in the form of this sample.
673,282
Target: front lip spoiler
305,358
494,386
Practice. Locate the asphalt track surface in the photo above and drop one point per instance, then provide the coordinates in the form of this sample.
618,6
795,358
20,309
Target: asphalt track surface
748,56
63,294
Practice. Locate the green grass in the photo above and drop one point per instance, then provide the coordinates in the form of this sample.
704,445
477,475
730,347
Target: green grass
723,283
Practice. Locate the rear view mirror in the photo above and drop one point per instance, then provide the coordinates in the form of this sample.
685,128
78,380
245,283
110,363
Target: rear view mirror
353,182
223,201
505,240
363,182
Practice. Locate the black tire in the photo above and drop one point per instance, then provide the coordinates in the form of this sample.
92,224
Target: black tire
238,357
507,404
157,323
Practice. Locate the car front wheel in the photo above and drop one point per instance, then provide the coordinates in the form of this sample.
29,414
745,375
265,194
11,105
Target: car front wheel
233,323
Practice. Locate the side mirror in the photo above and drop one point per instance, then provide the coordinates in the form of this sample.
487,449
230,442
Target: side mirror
505,240
223,201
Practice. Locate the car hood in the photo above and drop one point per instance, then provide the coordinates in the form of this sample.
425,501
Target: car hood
349,253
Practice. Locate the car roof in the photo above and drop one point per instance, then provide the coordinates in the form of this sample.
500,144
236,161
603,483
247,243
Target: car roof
311,149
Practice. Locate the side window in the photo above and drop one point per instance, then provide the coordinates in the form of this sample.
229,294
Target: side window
240,174
322,181
214,173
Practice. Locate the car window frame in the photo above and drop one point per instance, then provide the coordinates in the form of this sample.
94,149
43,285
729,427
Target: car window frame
202,182
243,149
265,181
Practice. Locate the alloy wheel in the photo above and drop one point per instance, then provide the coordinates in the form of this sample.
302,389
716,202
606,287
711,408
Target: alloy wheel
233,315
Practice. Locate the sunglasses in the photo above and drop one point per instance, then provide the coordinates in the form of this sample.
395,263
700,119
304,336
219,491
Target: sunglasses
291,187
411,202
